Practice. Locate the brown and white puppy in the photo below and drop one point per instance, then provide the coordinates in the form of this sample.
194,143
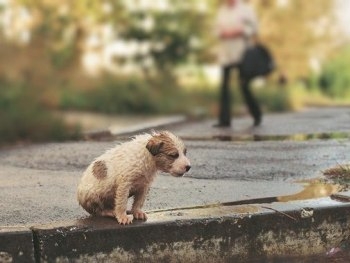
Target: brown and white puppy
128,170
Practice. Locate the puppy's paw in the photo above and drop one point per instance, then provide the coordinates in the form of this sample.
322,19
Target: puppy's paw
124,219
139,215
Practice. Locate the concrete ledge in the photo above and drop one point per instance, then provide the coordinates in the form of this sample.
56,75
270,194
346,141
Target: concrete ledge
246,233
16,245
129,130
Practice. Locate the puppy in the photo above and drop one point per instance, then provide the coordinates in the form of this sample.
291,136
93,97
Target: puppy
128,171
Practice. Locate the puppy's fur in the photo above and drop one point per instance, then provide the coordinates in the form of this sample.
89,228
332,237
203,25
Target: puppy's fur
128,170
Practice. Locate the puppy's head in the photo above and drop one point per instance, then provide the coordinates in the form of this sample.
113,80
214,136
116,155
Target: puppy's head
169,153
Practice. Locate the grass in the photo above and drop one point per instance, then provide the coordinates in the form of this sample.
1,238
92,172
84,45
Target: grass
341,171
159,96
136,96
24,119
339,174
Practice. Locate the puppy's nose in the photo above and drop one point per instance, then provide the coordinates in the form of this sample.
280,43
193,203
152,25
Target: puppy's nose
188,167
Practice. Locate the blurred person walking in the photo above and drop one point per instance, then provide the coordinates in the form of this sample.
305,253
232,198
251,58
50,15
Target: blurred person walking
236,27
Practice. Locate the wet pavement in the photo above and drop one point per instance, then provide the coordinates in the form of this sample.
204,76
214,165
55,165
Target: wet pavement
280,163
310,123
38,182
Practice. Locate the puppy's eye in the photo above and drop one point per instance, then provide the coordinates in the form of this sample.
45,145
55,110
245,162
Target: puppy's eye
174,155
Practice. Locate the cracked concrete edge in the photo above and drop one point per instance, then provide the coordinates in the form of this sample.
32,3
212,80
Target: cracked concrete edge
226,234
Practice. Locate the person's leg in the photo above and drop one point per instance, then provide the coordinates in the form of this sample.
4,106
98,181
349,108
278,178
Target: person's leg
251,102
225,99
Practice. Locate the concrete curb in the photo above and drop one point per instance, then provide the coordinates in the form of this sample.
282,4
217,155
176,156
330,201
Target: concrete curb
160,123
247,233
156,124
16,245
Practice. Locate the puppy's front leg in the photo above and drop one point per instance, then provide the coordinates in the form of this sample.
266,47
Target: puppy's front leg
121,202
139,200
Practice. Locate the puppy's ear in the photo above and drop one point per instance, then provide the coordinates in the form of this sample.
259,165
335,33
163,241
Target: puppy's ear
154,145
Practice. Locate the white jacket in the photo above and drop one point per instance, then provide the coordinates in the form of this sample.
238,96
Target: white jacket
240,16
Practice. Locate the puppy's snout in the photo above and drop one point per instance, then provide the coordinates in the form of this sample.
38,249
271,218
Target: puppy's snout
188,167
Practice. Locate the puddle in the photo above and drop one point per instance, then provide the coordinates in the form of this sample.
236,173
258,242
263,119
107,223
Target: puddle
313,189
294,137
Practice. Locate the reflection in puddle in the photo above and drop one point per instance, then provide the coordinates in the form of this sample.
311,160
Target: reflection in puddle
313,189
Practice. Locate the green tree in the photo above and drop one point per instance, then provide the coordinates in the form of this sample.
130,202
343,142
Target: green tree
297,31
59,29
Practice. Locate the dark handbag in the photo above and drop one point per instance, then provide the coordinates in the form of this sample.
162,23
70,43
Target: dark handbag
257,61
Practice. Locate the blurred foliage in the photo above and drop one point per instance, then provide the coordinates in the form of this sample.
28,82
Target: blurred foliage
177,34
171,35
335,77
40,58
297,31
114,96
275,99
305,29
22,117
134,95
61,29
